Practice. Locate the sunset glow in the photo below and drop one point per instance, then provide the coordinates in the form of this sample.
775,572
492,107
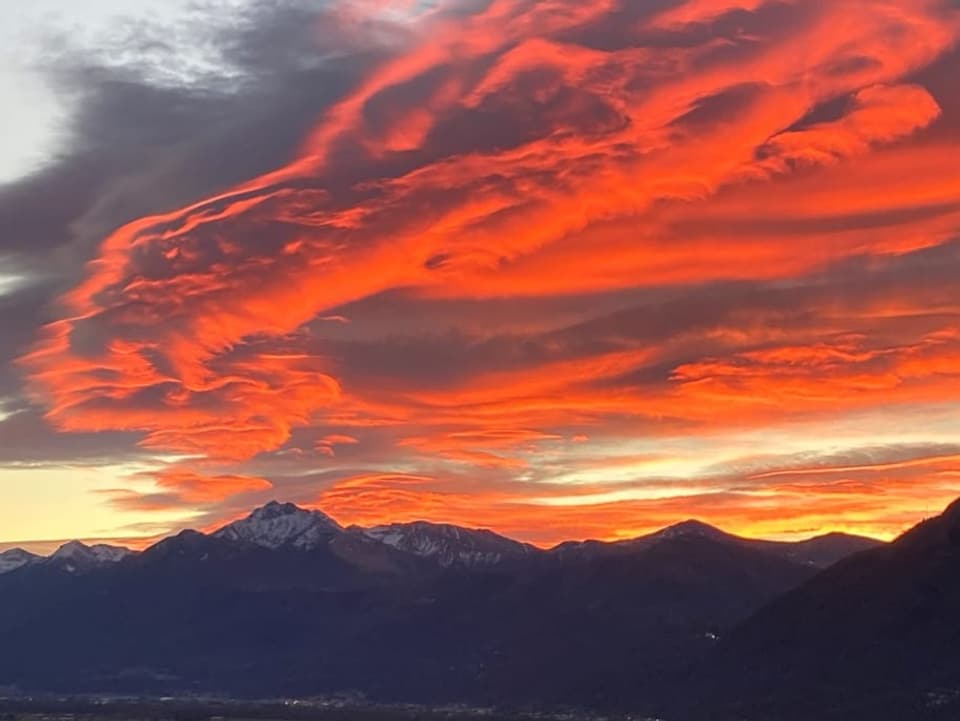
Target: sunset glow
562,269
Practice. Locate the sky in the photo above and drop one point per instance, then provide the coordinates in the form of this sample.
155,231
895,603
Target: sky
560,269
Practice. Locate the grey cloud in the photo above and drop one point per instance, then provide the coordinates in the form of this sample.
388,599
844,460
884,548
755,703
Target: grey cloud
27,440
852,457
137,146
423,347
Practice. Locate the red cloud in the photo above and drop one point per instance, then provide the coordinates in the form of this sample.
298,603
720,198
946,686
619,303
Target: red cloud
798,509
541,150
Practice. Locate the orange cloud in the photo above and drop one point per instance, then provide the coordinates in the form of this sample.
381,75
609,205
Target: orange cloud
653,162
797,510
177,487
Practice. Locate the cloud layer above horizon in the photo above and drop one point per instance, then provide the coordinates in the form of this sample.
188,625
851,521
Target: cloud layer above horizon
557,268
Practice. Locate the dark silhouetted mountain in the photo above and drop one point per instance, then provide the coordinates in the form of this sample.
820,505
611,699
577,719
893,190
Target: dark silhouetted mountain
610,630
876,636
594,549
288,602
819,552
826,550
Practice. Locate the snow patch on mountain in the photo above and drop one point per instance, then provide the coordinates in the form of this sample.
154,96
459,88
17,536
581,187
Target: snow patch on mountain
76,557
16,558
449,545
277,525
689,528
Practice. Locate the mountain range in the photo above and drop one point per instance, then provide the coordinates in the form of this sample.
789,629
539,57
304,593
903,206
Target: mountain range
286,526
688,623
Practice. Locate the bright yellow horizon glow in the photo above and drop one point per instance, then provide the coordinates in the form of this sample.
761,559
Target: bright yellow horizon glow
69,502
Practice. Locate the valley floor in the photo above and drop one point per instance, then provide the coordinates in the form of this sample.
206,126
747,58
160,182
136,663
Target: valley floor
87,708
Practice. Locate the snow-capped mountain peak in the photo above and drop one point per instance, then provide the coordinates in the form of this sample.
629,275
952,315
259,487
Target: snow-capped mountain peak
76,556
282,524
16,558
449,545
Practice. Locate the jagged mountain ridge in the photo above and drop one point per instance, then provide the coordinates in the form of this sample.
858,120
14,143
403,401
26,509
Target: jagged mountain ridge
200,612
71,557
278,525
282,524
77,552
285,525
287,601
451,545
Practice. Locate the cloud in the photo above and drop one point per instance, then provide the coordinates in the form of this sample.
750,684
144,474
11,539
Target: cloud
136,145
328,444
545,221
799,509
178,487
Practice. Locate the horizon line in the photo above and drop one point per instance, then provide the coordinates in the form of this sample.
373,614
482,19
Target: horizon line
140,543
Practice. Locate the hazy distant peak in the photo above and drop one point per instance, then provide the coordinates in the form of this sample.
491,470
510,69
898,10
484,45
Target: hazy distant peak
75,556
16,558
100,552
71,549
